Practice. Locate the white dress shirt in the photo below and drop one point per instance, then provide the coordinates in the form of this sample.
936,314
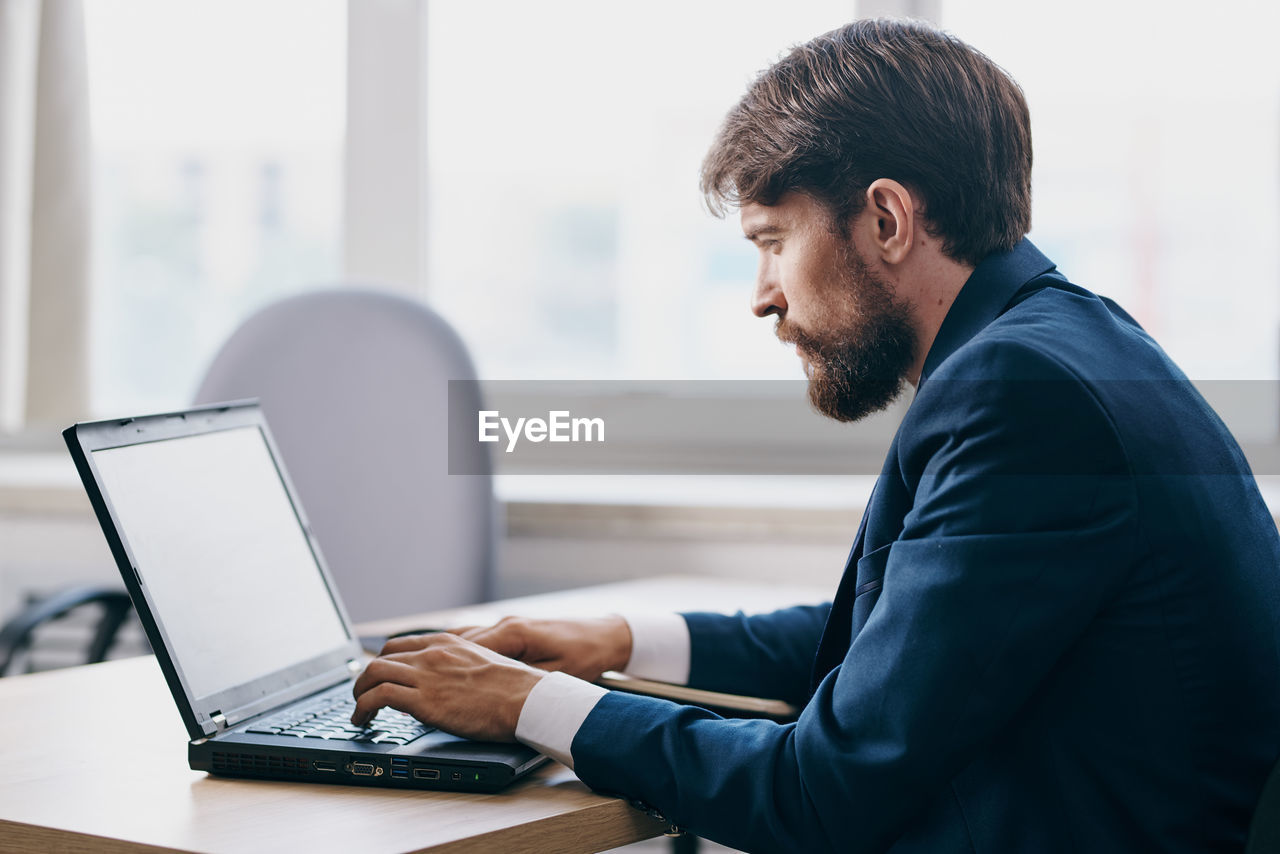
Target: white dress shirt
559,703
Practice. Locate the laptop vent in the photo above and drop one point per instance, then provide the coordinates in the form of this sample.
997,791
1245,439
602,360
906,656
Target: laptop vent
250,763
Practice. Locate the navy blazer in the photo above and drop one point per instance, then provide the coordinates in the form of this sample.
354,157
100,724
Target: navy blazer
1058,629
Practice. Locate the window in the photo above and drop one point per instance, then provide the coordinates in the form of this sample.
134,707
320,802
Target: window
567,238
1157,172
567,235
218,137
1157,166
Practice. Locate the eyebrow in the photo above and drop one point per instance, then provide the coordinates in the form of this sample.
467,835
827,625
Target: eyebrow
756,233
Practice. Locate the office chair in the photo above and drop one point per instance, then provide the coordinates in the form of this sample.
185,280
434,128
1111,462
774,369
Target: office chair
19,633
1264,830
354,384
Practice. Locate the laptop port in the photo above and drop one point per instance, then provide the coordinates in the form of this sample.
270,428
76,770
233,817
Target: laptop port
325,766
456,775
426,773
363,769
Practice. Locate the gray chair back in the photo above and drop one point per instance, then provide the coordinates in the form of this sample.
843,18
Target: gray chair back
354,384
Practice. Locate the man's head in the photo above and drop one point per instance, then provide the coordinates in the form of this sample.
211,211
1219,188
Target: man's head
875,166
857,338
884,99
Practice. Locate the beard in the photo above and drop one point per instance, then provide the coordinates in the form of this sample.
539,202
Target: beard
857,361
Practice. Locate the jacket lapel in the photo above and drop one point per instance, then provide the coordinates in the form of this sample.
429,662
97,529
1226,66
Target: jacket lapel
837,633
987,293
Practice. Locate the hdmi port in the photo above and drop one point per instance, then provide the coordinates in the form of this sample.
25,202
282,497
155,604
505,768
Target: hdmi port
426,773
325,766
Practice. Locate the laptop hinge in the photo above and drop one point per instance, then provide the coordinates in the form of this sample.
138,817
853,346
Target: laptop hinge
354,666
219,720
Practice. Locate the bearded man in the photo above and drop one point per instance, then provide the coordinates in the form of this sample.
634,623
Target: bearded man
1059,625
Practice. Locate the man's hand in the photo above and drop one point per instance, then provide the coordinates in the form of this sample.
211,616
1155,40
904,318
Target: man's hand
446,682
582,648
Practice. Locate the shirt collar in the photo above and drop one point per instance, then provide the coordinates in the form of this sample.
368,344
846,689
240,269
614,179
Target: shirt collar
985,295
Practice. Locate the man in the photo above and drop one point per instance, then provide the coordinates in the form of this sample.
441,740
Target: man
1059,626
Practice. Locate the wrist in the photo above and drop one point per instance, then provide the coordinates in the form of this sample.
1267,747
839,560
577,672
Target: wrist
619,644
520,696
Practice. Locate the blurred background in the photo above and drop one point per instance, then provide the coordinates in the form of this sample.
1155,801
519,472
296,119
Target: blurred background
530,171
559,224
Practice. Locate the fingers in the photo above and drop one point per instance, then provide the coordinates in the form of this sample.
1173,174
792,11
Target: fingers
462,687
412,643
385,670
509,636
382,672
385,694
403,664
513,637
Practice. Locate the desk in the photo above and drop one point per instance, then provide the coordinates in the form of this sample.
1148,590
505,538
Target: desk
122,784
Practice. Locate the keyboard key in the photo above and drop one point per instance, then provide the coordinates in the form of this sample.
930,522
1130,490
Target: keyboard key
330,718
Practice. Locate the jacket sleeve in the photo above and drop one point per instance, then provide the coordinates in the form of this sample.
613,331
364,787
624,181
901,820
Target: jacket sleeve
1021,527
764,655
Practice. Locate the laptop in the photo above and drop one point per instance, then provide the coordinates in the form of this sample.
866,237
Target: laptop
244,618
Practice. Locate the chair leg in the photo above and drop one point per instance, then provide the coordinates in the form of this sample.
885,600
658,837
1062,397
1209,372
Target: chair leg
113,616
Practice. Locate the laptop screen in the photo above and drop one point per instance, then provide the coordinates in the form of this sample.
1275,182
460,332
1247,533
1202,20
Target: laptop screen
222,554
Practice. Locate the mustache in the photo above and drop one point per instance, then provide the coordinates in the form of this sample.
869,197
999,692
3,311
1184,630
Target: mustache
788,333
785,331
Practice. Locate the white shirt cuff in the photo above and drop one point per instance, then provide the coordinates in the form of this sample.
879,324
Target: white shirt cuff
553,713
659,647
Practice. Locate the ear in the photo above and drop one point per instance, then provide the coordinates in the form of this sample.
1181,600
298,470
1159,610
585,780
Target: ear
890,215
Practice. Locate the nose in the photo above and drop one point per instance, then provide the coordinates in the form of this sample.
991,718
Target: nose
768,298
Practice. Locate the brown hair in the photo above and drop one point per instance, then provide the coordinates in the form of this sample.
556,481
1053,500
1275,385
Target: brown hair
884,99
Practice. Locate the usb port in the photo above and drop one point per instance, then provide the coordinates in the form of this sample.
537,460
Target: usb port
426,773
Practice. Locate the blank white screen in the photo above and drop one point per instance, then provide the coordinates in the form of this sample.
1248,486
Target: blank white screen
222,556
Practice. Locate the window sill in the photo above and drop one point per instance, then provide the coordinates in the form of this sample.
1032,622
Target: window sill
689,506
40,482
750,507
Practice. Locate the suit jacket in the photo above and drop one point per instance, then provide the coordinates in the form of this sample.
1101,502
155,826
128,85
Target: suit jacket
1058,629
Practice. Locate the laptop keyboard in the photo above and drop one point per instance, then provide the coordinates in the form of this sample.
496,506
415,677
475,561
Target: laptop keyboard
330,718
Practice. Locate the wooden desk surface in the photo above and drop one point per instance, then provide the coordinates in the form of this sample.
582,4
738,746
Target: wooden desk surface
94,759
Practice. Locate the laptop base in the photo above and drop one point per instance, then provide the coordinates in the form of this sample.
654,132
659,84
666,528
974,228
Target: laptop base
352,768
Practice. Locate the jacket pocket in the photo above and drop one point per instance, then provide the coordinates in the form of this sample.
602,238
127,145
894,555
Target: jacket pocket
870,580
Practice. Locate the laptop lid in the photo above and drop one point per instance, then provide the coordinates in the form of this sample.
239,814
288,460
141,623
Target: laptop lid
218,558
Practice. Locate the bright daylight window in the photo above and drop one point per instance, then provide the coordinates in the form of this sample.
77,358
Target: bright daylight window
1157,170
566,234
218,137
567,237
1157,163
